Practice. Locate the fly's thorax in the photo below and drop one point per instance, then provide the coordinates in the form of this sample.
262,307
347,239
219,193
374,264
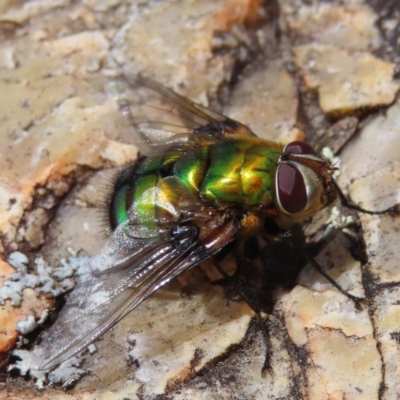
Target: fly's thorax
303,183
237,172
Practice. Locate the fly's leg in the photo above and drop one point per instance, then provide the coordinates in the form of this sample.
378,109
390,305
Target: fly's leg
357,300
327,237
267,364
183,236
395,210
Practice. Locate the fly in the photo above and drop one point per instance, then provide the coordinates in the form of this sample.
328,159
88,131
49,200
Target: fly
202,180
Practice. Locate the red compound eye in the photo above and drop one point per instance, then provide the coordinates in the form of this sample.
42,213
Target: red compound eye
299,148
291,188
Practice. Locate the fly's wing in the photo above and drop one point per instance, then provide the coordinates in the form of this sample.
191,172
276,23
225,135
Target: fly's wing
161,116
136,260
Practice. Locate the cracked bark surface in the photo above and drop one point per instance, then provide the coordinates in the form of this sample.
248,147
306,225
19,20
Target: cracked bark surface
324,71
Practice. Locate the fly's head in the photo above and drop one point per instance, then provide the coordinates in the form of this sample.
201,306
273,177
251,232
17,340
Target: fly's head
303,183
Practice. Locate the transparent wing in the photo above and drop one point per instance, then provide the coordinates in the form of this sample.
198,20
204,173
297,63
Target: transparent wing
161,117
135,262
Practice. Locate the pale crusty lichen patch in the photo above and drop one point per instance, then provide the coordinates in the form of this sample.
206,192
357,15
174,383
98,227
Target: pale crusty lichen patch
307,310
51,122
171,337
83,51
58,118
183,56
342,366
74,134
53,86
346,81
177,361
339,341
382,243
372,164
268,108
373,155
342,267
29,10
11,315
388,304
349,26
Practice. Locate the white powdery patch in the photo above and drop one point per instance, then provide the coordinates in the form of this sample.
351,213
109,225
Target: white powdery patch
14,286
339,221
24,366
24,327
45,279
66,373
73,266
18,259
92,348
43,316
27,326
333,160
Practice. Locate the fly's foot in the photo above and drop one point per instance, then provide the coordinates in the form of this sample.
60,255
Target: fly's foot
267,367
358,301
395,210
355,299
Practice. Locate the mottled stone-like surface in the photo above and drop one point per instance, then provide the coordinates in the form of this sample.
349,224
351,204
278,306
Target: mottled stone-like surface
351,26
346,81
269,109
274,67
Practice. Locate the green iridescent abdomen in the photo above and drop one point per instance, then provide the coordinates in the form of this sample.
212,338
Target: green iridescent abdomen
232,172
131,185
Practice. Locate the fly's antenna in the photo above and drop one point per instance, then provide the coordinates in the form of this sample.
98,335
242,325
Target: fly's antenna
394,210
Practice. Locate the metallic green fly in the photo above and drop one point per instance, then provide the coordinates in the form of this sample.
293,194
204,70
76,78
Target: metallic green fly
202,180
